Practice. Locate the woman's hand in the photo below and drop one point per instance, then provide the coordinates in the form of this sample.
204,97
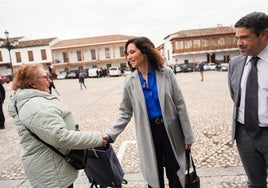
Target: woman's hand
105,139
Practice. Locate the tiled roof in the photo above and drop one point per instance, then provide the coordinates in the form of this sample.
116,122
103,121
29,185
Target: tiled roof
203,32
35,43
91,41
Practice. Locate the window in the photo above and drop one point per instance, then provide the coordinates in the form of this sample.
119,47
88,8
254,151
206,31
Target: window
229,40
65,57
1,57
204,42
213,42
221,41
197,43
107,52
30,55
79,55
188,44
93,54
179,45
18,57
122,51
43,54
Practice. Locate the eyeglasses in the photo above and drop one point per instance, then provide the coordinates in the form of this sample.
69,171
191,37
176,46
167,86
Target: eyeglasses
45,77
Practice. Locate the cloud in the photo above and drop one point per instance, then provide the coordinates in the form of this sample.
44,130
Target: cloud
68,19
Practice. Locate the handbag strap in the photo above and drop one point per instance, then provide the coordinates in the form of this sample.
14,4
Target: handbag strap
189,159
48,145
39,139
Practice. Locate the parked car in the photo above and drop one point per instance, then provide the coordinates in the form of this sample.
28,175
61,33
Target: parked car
71,75
177,69
127,72
211,66
4,79
93,73
187,68
224,66
62,75
206,67
114,71
218,67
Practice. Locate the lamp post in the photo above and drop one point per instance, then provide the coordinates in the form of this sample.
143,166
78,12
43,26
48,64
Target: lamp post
8,45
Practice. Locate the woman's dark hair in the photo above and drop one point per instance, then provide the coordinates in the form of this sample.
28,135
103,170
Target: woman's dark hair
148,49
255,21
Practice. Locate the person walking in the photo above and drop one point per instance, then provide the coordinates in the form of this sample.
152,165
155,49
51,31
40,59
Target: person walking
248,84
81,81
34,109
2,99
201,70
163,128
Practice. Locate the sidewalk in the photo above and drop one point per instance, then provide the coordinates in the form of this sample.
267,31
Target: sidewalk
230,177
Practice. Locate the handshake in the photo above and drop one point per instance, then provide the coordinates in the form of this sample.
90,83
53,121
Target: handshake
106,139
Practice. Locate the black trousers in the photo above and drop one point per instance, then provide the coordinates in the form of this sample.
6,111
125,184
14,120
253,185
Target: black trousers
165,156
253,152
2,116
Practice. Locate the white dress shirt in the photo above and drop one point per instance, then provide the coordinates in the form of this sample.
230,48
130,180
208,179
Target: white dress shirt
262,67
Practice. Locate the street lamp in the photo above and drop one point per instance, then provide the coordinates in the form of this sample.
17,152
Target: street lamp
8,45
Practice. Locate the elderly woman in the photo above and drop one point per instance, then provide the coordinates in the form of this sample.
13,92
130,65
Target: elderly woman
33,108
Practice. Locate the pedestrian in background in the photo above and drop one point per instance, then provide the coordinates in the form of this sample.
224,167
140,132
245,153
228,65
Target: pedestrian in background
201,70
2,99
51,85
248,84
81,80
34,109
163,128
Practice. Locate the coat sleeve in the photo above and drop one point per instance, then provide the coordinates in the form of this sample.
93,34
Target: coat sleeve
124,115
56,126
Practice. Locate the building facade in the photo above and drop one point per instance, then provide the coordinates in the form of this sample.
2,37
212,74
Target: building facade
209,45
76,55
26,52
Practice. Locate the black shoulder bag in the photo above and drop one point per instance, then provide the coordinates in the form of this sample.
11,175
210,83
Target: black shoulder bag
76,158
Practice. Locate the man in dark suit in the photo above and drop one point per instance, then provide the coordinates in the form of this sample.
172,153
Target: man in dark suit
248,84
2,99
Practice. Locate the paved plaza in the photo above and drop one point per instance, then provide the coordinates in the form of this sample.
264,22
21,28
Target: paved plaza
209,107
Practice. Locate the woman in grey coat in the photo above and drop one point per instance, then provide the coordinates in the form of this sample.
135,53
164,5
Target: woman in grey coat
32,107
163,129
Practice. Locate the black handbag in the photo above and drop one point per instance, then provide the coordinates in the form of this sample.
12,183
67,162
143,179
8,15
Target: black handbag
103,167
191,178
76,158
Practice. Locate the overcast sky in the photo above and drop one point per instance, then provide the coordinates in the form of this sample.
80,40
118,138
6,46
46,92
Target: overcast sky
155,19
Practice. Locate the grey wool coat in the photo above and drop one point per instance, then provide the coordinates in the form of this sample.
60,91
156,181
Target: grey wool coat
175,117
53,122
235,71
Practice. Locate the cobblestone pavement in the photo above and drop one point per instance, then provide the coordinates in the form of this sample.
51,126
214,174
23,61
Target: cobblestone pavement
209,107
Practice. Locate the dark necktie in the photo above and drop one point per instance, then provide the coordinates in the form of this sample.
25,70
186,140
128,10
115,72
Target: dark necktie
251,100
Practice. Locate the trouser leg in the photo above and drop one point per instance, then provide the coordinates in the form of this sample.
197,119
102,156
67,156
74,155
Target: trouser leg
253,156
158,145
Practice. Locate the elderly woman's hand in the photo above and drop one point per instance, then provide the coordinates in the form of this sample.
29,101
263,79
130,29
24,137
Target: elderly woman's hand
105,139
